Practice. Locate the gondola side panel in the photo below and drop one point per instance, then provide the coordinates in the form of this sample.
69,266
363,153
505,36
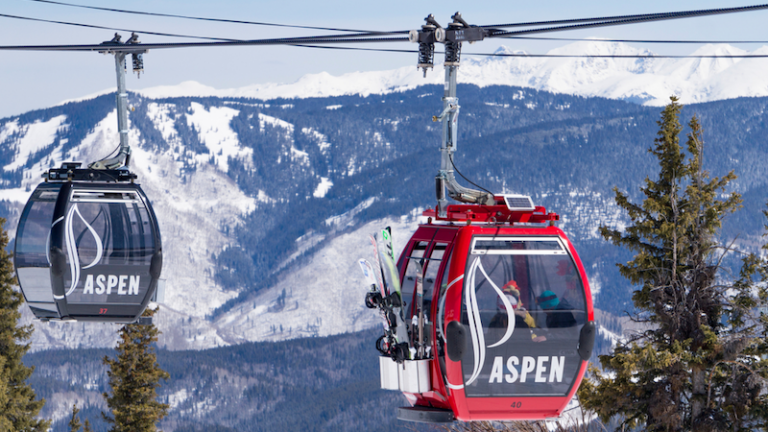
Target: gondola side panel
31,251
110,243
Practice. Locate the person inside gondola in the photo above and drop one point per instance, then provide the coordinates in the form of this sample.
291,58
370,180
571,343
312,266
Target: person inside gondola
559,312
523,319
567,271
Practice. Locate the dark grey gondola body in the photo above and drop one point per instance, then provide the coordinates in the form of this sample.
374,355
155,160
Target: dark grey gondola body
88,251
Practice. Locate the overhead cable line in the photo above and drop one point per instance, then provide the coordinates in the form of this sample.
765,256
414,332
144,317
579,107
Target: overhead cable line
128,48
298,43
353,35
526,55
662,41
374,37
651,56
597,21
625,21
148,32
661,15
230,21
111,28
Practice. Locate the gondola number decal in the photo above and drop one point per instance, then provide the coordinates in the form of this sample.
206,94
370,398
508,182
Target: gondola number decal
102,311
516,405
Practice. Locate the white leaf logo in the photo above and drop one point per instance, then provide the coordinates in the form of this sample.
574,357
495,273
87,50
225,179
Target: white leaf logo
71,245
475,322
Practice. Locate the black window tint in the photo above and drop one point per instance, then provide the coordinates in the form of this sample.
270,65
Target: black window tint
409,280
110,245
433,265
523,304
32,238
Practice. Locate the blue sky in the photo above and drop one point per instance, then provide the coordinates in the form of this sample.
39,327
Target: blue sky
41,79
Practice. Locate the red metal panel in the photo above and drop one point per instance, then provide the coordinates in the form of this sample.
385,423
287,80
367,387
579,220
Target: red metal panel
446,234
424,233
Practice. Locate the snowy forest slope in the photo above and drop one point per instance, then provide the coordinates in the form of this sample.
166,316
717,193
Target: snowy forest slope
265,206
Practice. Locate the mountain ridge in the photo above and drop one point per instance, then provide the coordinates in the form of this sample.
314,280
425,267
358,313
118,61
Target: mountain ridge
255,252
648,81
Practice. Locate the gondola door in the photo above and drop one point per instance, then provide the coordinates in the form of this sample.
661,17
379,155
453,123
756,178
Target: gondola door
515,330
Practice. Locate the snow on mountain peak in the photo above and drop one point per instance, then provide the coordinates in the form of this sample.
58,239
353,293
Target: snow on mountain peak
648,81
506,50
598,47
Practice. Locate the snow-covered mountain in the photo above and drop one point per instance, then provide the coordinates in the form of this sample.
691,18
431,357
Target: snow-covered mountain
197,204
647,81
288,192
232,176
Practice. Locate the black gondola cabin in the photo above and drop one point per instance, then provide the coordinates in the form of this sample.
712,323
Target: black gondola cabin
88,247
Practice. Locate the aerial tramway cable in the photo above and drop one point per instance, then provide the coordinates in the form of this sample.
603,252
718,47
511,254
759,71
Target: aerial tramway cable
528,55
381,37
662,41
652,17
631,20
231,21
154,33
360,38
98,27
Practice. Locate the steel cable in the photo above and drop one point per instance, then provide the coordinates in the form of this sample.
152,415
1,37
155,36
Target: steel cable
231,21
652,16
642,19
664,41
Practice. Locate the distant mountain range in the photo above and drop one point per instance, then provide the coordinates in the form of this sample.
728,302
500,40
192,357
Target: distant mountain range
644,81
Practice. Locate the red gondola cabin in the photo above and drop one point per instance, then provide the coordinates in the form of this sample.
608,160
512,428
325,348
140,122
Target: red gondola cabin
510,318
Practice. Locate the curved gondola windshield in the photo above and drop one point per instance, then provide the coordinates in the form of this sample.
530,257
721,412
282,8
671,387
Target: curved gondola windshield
524,305
110,244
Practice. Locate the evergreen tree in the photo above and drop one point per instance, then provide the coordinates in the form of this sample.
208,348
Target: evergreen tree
18,407
698,365
74,421
134,377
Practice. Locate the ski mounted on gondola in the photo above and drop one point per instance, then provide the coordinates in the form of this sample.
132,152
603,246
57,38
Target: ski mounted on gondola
495,317
88,244
394,342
